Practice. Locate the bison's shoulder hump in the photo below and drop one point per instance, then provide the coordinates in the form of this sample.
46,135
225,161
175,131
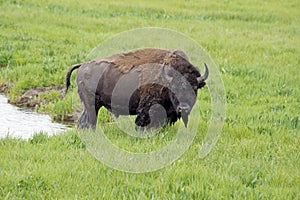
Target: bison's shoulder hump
126,61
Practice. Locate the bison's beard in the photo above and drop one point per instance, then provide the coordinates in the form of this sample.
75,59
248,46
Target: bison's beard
185,118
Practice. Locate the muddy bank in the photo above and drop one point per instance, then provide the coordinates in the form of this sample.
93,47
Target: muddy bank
31,98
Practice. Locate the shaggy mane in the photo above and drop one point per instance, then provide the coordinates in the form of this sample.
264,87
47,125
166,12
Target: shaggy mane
126,61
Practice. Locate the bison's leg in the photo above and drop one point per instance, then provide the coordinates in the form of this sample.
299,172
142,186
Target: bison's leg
88,118
151,115
82,121
172,116
143,118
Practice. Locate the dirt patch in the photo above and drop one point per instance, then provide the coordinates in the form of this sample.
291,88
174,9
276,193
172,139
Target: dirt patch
70,118
30,98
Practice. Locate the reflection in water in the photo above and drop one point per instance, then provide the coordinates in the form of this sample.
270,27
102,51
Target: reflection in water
16,122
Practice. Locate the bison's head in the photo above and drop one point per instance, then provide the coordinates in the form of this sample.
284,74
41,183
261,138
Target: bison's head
183,84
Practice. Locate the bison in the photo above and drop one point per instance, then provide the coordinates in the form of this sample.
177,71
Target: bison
158,85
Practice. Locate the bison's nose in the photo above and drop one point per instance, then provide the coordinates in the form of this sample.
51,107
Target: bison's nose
183,108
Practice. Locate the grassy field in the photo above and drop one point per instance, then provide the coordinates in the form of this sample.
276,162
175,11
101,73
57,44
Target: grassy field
256,46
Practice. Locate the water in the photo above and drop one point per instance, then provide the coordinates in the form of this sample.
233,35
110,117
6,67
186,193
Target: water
16,122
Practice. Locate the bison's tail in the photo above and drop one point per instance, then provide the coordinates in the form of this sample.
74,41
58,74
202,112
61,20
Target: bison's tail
68,76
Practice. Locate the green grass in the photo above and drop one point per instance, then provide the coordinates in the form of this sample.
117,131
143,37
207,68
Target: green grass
256,47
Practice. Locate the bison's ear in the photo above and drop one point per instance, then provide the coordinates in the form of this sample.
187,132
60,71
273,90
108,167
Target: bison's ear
165,75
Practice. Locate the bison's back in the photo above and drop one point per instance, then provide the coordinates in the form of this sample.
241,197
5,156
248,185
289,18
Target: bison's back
124,62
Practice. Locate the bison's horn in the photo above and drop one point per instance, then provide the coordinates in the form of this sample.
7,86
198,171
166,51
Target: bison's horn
164,75
204,77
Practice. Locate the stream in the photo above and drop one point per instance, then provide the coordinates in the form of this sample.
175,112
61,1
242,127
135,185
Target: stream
21,123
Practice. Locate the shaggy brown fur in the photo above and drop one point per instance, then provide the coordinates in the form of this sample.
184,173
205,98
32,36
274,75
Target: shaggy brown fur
126,61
